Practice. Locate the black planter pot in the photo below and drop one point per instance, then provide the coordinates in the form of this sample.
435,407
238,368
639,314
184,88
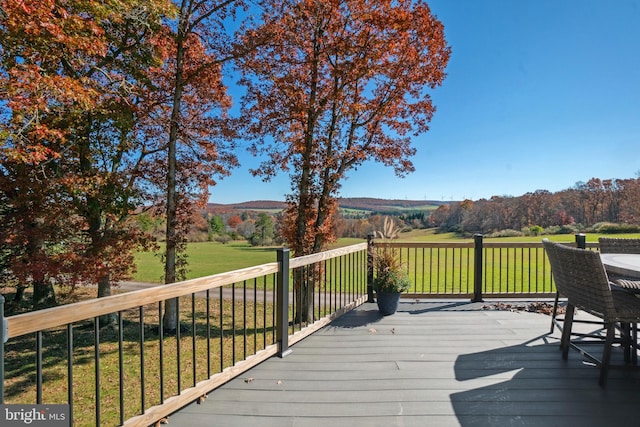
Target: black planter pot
387,302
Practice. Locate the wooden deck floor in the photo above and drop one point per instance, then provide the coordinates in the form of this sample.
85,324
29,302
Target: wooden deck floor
433,363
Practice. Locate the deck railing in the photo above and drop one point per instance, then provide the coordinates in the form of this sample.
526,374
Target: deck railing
112,362
478,269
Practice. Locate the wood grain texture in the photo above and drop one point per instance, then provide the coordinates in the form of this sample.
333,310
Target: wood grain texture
57,316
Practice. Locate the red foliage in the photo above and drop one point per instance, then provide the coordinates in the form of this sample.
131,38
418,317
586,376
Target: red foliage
68,163
334,84
234,221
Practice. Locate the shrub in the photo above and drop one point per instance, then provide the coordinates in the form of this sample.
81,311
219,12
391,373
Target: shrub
562,229
223,238
536,230
505,233
610,228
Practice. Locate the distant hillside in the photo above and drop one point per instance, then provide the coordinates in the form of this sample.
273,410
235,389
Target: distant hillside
256,205
356,203
373,204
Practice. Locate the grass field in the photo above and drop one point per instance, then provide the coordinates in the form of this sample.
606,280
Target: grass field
208,258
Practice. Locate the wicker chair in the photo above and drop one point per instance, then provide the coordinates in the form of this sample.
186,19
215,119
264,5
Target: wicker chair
610,245
580,276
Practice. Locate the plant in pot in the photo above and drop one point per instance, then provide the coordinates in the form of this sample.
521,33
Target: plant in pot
390,280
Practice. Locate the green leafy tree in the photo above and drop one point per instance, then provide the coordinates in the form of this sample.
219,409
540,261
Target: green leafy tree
216,225
264,231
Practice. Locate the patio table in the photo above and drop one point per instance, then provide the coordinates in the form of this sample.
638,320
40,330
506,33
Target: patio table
622,264
627,266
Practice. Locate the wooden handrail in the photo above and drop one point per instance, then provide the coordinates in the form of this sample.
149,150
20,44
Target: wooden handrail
58,316
323,256
26,323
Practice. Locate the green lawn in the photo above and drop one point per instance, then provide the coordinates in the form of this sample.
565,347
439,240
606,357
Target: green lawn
208,258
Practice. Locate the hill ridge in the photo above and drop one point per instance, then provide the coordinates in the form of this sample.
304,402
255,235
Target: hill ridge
361,203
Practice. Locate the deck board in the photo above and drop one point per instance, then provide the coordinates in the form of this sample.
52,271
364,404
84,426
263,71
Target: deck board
435,363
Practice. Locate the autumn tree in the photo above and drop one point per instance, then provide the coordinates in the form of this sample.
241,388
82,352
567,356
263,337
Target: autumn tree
67,82
234,221
188,122
629,190
338,83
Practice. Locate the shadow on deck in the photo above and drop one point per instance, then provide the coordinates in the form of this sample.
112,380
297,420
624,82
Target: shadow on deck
433,363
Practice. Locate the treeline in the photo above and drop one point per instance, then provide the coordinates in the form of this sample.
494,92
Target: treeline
606,206
594,205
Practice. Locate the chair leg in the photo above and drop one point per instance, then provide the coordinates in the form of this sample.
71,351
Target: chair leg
606,354
554,313
565,341
634,343
625,335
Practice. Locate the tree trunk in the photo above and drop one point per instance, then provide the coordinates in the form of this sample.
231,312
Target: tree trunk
170,318
104,290
17,300
43,294
304,286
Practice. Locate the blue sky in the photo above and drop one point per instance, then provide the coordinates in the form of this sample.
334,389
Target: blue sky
539,96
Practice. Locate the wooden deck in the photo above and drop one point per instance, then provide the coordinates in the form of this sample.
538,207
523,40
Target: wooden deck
433,363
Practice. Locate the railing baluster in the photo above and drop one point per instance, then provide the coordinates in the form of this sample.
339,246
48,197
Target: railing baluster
341,288
161,350
233,324
121,366
141,344
221,299
264,311
193,340
244,319
178,350
69,370
208,334
327,285
255,315
335,285
274,297
96,346
529,272
39,367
